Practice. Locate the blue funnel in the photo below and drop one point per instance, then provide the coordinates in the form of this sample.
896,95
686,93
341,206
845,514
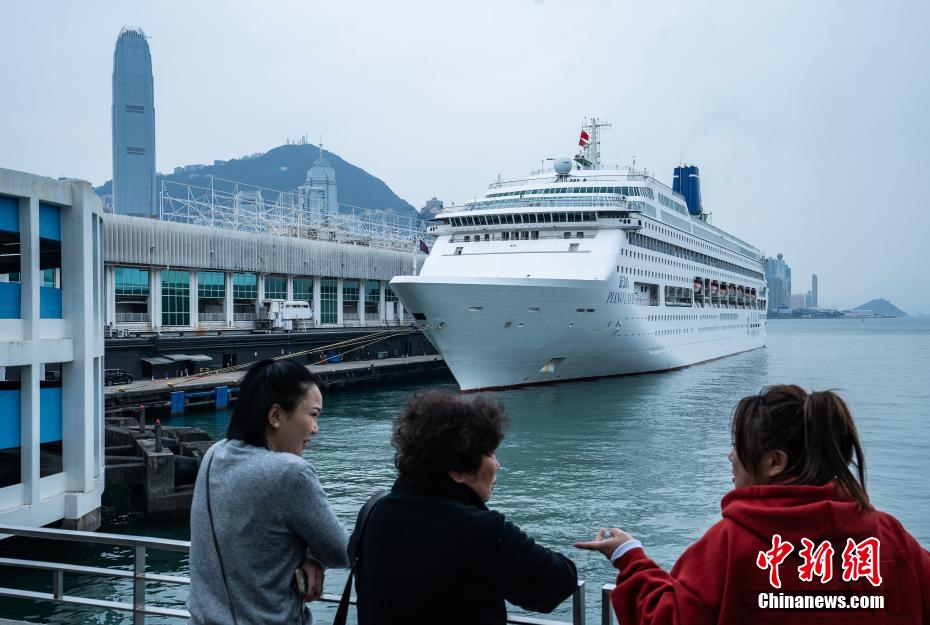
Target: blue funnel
687,181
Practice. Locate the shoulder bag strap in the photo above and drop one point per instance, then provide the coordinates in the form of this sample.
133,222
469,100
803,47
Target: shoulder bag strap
342,612
216,545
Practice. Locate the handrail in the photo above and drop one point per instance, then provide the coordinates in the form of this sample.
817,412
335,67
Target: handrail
138,607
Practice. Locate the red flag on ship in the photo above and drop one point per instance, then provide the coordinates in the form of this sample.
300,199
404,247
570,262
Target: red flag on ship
583,140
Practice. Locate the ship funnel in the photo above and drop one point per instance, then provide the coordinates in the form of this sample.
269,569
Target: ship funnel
687,181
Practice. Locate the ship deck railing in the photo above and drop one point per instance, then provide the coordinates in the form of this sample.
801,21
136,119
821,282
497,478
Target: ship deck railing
140,608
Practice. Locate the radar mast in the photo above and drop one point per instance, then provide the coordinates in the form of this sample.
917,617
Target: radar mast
590,155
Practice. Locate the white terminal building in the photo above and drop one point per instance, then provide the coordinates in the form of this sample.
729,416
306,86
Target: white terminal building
231,258
51,351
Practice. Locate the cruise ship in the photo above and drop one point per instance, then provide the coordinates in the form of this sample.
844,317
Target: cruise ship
583,272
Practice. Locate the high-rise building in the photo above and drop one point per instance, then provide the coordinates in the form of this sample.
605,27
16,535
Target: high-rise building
318,192
432,208
778,277
133,126
814,290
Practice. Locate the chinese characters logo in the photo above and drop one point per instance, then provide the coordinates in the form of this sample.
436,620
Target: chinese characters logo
859,560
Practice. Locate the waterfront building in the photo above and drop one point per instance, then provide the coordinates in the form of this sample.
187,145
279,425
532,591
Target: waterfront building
318,193
814,303
51,352
133,126
799,300
778,278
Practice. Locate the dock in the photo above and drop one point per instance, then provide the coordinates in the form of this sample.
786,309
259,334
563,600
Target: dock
219,390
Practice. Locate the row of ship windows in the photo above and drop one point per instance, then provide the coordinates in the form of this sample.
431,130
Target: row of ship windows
676,331
631,191
517,235
686,239
664,247
522,218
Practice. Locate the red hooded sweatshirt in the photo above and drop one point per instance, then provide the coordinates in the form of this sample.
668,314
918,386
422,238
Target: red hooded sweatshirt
718,580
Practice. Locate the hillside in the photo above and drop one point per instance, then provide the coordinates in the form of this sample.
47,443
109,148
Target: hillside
285,167
883,308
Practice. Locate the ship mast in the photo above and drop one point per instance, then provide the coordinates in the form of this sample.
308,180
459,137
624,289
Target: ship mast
590,142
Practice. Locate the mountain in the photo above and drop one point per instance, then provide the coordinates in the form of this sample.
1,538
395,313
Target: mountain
882,308
284,168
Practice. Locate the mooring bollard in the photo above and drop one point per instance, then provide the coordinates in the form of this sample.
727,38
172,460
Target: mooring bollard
141,418
157,434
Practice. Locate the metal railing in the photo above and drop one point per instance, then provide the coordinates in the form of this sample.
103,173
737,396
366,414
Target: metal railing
240,316
203,316
128,317
140,545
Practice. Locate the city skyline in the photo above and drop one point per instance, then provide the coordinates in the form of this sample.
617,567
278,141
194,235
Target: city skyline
774,112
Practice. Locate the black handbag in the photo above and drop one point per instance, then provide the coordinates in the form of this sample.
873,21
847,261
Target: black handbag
355,547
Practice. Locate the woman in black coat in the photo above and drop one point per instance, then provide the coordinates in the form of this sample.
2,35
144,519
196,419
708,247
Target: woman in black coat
432,552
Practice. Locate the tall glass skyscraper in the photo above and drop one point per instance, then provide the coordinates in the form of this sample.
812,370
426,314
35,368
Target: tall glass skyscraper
133,126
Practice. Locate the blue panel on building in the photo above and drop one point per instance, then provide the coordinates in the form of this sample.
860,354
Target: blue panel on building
49,303
9,419
49,222
177,403
50,414
10,300
9,214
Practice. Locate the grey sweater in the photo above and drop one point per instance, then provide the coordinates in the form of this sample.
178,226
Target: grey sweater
269,512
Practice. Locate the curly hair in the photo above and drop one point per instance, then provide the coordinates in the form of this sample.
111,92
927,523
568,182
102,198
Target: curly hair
440,432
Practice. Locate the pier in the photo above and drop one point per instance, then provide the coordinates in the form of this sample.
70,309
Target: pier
218,391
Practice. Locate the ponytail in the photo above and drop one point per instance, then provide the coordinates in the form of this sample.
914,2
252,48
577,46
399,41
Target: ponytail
815,430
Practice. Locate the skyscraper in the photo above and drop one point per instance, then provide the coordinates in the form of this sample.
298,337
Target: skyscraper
814,290
319,190
133,126
778,277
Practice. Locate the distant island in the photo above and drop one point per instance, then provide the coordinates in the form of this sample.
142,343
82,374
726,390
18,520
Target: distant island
882,308
284,168
876,308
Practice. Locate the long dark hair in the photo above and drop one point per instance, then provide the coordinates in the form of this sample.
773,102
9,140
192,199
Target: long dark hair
815,430
268,382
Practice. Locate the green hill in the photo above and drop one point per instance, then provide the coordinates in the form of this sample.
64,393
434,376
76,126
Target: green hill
284,168
882,308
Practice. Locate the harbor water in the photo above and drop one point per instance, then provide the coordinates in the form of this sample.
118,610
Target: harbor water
645,453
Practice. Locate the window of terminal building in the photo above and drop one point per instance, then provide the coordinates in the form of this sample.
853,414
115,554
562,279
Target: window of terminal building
50,304
50,428
329,297
10,290
350,289
132,294
303,289
10,428
175,298
245,287
275,287
372,299
211,296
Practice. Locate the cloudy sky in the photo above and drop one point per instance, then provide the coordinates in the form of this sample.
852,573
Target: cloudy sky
810,121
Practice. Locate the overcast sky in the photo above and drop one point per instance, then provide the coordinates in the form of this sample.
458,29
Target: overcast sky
810,120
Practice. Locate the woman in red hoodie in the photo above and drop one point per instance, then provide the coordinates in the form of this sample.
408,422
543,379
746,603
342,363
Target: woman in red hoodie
799,541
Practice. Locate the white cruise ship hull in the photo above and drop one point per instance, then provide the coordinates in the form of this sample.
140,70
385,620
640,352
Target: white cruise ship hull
495,332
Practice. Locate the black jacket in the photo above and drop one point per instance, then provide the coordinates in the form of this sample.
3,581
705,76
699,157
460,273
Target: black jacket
437,555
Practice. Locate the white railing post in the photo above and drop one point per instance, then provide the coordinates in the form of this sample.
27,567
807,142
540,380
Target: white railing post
607,612
138,587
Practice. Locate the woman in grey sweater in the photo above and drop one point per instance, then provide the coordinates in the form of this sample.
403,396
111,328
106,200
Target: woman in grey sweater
270,516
